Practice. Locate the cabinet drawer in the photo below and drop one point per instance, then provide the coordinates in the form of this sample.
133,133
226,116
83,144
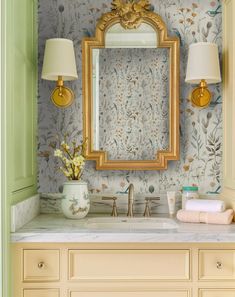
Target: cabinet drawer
129,264
41,265
217,293
216,264
41,293
159,293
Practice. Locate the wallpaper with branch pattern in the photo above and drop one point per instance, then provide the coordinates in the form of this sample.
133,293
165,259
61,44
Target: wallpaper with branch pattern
200,130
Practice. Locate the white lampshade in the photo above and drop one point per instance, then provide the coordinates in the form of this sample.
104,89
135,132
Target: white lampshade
59,60
203,63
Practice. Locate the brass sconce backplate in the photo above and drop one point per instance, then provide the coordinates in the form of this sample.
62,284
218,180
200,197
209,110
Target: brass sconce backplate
201,96
62,96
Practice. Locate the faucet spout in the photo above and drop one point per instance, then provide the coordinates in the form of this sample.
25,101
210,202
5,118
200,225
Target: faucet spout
130,200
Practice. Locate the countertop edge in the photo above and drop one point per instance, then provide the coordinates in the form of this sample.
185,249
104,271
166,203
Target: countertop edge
119,238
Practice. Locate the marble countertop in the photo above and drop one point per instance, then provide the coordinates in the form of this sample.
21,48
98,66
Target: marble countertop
55,228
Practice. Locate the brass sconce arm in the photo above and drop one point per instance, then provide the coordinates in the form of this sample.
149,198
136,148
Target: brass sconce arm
60,84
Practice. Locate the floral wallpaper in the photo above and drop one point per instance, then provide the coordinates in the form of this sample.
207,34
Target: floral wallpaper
200,130
133,102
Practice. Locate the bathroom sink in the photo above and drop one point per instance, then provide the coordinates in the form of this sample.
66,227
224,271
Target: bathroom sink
132,223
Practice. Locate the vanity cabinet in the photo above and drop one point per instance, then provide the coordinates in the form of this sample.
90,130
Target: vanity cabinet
123,270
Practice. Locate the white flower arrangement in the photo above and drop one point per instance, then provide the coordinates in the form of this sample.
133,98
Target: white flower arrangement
72,159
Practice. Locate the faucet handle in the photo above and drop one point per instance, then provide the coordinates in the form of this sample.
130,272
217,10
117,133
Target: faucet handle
148,200
114,209
147,208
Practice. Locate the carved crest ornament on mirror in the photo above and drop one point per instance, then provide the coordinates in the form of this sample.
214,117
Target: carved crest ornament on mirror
131,90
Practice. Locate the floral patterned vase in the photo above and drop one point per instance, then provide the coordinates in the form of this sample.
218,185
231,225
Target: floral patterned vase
75,204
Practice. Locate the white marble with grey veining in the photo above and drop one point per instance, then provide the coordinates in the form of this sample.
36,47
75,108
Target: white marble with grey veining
24,211
56,228
50,203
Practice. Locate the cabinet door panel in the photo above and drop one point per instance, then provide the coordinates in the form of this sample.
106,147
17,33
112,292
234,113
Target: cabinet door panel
41,293
129,265
160,293
217,293
21,112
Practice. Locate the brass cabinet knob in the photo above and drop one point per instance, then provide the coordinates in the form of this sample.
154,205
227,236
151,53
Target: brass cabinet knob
41,265
219,265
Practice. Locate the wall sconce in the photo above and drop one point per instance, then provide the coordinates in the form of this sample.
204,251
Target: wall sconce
203,69
59,65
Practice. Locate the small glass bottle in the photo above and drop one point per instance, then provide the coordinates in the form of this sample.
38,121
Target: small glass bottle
189,193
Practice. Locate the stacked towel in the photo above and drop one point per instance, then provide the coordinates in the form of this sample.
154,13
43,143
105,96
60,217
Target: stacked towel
219,218
205,205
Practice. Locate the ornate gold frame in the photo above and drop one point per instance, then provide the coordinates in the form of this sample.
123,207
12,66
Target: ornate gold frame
131,19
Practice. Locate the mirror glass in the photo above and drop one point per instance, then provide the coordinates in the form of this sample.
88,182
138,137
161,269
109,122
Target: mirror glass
131,94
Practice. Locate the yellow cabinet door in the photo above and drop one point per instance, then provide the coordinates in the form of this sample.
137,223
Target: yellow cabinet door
160,293
129,265
217,293
41,293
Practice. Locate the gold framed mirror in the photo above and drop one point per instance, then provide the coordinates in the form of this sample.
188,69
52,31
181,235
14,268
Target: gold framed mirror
116,30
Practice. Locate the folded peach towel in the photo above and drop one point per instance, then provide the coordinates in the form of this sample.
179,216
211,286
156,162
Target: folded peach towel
219,218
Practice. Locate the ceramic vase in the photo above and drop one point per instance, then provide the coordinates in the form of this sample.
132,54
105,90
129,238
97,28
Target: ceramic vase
75,204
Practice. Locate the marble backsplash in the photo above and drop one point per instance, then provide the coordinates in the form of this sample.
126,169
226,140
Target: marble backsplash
51,203
200,130
24,211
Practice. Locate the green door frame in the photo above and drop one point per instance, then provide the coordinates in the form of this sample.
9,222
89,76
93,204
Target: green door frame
4,202
1,153
6,195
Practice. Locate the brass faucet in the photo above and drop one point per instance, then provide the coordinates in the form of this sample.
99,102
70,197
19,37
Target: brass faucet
130,200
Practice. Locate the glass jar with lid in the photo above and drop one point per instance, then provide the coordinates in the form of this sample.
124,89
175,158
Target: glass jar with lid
189,192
